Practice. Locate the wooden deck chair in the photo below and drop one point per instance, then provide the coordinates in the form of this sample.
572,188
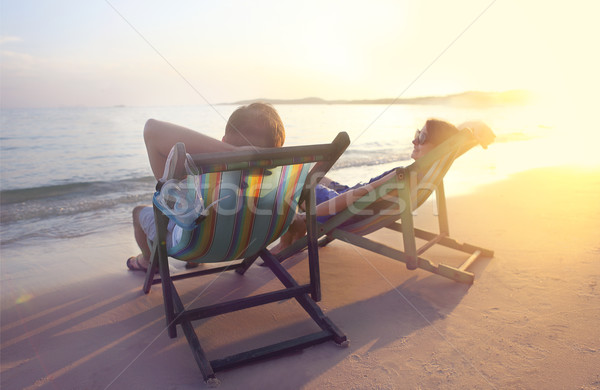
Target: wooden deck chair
396,201
258,193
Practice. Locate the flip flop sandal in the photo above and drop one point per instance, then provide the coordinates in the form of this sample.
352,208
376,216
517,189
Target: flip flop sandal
133,263
191,265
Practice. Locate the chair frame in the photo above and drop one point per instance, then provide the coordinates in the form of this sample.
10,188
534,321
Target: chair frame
411,255
306,295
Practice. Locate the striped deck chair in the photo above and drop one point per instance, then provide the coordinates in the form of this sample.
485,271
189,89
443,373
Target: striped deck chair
257,194
396,201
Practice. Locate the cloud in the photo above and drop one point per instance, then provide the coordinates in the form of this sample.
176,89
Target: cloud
15,61
7,39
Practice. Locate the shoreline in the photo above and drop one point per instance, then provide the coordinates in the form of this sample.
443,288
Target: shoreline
74,317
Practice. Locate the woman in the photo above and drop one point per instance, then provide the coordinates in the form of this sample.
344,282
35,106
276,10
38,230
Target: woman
332,197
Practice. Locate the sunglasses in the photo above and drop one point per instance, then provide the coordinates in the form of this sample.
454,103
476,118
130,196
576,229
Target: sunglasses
420,137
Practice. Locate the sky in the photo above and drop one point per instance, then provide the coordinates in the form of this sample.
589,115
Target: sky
123,52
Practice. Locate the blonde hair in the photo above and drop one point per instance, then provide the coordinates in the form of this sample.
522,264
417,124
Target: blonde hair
256,124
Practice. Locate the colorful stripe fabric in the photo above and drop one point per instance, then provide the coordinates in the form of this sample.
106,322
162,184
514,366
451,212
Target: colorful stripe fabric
288,193
255,206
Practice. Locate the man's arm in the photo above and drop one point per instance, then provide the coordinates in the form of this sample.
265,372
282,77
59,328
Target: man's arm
161,136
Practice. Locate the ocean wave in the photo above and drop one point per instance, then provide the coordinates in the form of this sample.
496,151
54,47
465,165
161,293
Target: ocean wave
73,189
359,158
48,208
44,231
72,199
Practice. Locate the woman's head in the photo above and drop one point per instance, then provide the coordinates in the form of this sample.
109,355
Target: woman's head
431,135
257,124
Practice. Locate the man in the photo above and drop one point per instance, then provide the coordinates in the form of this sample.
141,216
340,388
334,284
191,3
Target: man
255,125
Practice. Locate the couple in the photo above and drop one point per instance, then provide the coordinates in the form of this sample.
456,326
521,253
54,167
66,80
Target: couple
258,125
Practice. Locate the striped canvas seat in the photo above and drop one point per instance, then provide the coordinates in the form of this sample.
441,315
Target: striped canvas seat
253,197
395,201
387,209
254,208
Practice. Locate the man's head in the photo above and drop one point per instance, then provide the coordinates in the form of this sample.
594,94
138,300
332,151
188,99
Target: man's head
431,135
257,124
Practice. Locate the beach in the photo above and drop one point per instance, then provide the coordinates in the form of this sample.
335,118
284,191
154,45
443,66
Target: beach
530,320
79,81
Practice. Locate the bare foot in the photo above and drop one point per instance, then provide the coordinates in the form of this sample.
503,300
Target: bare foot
296,231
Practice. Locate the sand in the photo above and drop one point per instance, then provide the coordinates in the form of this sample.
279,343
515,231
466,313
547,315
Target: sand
74,318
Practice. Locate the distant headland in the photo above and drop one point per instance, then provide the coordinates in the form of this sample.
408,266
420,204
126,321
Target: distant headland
465,99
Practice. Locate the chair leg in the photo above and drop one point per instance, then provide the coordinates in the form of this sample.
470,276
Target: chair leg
325,241
304,300
161,222
445,241
440,197
456,274
151,271
202,361
168,295
410,244
312,245
243,267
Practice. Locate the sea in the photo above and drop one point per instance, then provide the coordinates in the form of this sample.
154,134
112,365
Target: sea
70,172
